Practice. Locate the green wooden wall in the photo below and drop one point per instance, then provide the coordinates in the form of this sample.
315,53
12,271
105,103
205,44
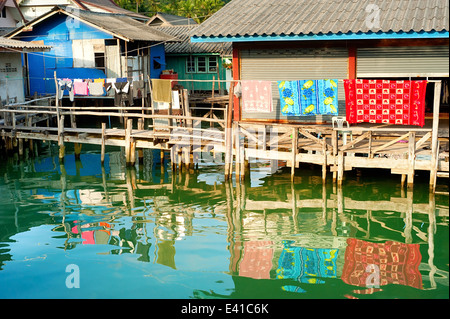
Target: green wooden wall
178,64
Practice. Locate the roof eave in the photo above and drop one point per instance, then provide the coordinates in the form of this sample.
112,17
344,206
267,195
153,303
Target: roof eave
329,36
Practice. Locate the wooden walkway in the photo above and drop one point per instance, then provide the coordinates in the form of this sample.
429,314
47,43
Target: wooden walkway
402,150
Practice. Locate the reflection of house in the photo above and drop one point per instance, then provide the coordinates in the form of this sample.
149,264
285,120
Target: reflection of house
10,16
193,61
11,72
89,45
295,40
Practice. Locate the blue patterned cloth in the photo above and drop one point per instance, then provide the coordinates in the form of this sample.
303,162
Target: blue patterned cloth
308,97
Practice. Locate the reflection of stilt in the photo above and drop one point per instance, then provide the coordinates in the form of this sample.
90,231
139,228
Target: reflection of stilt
234,228
294,207
130,180
431,232
408,217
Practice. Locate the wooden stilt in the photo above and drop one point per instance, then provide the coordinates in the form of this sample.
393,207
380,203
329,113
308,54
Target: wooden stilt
294,151
411,158
62,148
229,135
128,142
324,165
140,150
77,147
434,136
334,143
340,174
20,147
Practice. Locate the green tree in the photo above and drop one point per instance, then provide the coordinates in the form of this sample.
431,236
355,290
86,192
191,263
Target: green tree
199,10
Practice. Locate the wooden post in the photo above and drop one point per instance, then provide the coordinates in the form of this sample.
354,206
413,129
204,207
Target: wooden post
77,148
128,128
340,175
434,135
229,135
334,143
61,138
141,151
103,143
411,158
237,146
20,147
294,151
324,165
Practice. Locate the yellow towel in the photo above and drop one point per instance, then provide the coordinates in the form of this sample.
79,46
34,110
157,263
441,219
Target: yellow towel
162,90
99,81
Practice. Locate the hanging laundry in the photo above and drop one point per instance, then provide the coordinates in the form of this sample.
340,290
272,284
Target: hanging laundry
108,85
385,101
80,87
256,96
66,85
309,97
162,90
289,99
122,93
327,93
138,89
96,88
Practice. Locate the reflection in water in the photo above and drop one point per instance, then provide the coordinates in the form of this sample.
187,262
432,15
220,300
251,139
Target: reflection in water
275,239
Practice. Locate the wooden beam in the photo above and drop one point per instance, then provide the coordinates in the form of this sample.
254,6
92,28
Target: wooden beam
382,147
434,136
411,158
294,151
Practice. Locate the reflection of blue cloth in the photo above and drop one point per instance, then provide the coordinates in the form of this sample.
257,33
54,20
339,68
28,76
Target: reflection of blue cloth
307,264
308,97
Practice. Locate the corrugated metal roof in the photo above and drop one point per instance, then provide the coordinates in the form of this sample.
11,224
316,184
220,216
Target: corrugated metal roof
125,26
295,17
22,45
166,19
119,25
112,7
186,46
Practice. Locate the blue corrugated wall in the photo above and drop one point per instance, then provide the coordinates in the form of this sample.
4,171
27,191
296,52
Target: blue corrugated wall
58,31
157,58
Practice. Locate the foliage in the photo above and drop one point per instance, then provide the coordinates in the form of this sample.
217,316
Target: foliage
199,10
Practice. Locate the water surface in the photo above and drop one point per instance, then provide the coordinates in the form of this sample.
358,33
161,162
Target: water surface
80,230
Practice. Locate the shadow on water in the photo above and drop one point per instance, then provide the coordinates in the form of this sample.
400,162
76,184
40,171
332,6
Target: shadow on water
192,235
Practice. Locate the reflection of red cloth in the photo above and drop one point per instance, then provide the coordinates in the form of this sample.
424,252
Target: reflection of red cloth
257,260
398,263
385,101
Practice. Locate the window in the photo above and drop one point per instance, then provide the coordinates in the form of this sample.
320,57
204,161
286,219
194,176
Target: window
99,60
3,13
201,64
212,64
190,65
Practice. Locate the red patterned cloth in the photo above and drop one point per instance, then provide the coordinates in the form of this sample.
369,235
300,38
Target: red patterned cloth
396,262
385,101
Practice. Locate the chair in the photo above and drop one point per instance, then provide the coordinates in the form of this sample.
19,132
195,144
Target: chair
339,121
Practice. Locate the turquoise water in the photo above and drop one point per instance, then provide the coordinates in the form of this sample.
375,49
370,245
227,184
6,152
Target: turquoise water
83,231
